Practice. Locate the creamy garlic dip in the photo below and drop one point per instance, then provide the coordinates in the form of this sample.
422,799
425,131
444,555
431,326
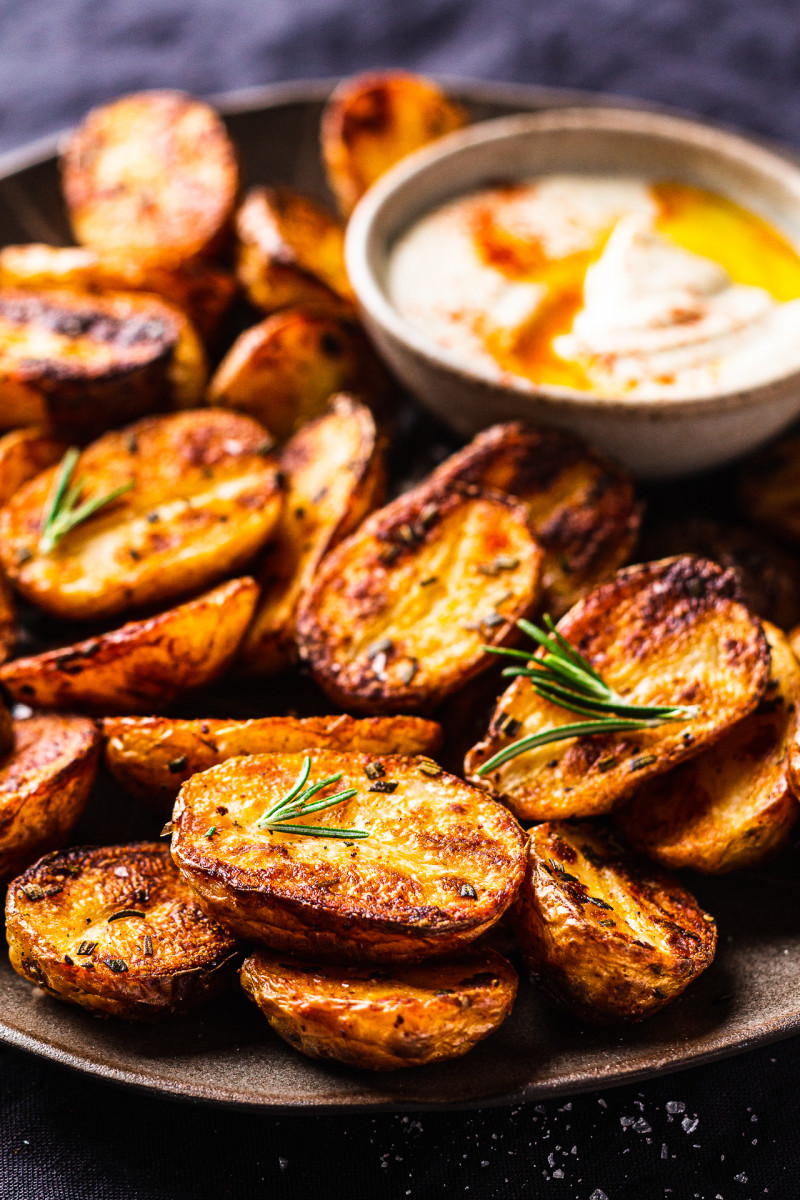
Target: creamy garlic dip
613,285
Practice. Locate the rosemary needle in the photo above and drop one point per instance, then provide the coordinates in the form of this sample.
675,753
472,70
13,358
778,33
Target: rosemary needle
297,803
62,512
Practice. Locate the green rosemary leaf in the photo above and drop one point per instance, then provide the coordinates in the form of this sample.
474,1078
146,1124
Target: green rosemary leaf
297,803
62,512
320,831
560,734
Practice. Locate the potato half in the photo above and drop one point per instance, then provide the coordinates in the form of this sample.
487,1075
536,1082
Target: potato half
143,666
334,473
441,864
23,454
612,938
381,1019
45,782
733,805
205,498
152,173
583,508
668,632
398,614
116,930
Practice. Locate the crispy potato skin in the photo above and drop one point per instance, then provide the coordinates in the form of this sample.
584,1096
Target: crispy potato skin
45,781
372,121
191,959
395,896
382,1020
733,805
205,498
398,614
335,473
609,936
143,666
669,632
23,454
152,173
583,508
152,756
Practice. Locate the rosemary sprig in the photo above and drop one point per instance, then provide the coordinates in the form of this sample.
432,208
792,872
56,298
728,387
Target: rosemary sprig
62,511
562,676
297,803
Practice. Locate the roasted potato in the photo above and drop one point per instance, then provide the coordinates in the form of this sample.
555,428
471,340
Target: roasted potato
583,508
398,614
284,370
23,454
379,1019
609,936
116,930
441,864
290,251
152,174
668,632
152,756
769,489
205,498
45,782
372,121
143,666
8,620
334,473
77,364
733,805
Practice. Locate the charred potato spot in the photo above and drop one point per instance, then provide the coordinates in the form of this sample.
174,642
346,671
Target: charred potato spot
382,1020
610,937
117,931
442,861
205,497
733,805
669,632
143,666
23,454
45,781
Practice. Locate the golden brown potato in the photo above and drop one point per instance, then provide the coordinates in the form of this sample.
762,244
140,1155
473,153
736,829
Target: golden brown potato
335,474
371,121
583,508
732,806
154,174
152,756
116,930
45,782
284,370
669,632
290,251
205,498
398,614
609,936
145,665
77,364
380,1019
441,864
23,454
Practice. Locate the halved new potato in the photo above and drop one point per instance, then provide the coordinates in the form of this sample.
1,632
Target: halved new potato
381,1019
441,864
371,121
143,666
116,930
398,614
732,806
335,474
673,632
609,936
153,174
583,508
205,497
23,454
45,780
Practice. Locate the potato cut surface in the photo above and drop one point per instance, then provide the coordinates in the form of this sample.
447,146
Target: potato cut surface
382,1019
612,938
205,498
441,864
116,930
668,632
23,454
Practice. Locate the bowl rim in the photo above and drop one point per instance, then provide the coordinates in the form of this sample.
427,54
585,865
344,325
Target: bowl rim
361,238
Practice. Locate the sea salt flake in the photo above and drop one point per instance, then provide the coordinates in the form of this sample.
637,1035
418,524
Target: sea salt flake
689,1124
675,1106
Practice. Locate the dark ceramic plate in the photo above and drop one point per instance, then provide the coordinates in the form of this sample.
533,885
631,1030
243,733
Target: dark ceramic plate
227,1053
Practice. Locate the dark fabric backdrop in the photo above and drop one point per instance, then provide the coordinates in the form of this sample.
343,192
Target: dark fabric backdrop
725,1132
